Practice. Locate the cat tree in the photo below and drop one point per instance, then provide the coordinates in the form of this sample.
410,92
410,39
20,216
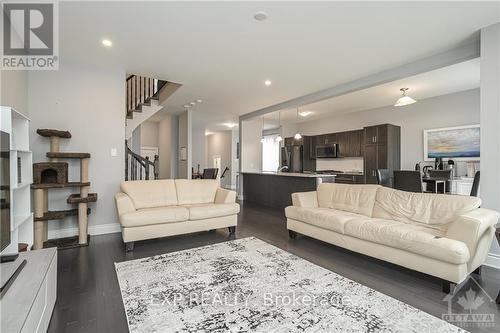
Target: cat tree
54,174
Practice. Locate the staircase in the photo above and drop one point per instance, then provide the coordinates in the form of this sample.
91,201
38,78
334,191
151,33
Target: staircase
144,98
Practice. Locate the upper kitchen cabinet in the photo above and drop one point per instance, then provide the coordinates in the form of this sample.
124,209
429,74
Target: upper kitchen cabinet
350,143
293,142
376,134
382,150
324,139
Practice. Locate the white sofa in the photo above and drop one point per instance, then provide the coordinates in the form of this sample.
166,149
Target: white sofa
447,236
158,208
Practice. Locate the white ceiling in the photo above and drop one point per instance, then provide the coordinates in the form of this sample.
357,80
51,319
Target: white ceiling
220,54
455,78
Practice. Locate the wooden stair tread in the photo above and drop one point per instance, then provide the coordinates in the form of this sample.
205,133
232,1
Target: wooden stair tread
67,155
75,198
55,185
59,214
48,132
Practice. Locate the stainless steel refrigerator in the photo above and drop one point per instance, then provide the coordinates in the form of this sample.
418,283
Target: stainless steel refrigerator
293,158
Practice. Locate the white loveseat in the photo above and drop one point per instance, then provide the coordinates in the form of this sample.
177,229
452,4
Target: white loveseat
158,208
447,236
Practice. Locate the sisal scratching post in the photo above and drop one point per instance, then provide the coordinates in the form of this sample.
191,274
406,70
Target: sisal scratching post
54,146
39,228
82,206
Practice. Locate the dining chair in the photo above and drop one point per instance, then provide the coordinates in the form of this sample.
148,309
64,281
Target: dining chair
408,180
441,177
475,185
210,173
384,177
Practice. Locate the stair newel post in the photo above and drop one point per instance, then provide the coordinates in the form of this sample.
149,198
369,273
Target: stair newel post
146,169
82,206
156,167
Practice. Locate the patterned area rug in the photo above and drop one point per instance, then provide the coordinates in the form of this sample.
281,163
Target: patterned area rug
247,285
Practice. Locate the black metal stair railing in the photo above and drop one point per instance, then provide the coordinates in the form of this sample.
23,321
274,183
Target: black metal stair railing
138,167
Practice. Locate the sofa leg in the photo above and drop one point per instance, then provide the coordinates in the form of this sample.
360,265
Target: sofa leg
448,287
129,246
232,230
477,270
292,234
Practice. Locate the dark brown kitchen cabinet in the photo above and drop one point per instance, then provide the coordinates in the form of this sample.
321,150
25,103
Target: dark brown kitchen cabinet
376,134
349,179
382,150
293,142
349,143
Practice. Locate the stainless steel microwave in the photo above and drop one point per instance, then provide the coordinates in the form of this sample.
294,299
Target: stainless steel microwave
327,151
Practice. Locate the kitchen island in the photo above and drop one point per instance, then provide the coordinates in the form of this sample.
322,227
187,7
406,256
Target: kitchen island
274,189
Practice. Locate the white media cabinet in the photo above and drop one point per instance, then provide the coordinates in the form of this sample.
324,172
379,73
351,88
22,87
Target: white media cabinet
28,303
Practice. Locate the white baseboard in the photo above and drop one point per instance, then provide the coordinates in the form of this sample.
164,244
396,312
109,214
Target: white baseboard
99,229
493,260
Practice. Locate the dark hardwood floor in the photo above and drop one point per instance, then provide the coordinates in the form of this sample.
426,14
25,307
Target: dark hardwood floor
89,300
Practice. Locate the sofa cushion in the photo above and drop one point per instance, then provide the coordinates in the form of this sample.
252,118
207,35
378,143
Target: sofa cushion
210,210
158,215
326,218
196,191
432,210
357,199
150,193
412,238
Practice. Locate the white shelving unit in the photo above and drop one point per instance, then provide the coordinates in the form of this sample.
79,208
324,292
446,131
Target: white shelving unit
21,177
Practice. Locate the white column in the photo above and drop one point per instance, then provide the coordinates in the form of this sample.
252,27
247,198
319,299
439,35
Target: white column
490,120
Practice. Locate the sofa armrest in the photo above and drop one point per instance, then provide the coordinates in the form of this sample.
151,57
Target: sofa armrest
470,227
305,199
225,196
124,203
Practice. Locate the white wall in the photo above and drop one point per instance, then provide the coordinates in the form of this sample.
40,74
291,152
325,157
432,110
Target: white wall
14,90
134,142
235,162
219,144
199,145
90,103
490,121
149,134
185,139
456,109
165,147
251,148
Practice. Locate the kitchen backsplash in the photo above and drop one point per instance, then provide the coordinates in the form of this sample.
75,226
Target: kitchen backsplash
340,164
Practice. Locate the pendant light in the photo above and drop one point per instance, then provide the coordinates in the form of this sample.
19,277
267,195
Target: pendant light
297,135
279,138
262,140
404,100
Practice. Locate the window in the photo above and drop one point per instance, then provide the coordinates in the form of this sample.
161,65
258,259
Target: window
270,153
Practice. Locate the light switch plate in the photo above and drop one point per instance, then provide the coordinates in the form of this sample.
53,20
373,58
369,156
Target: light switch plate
114,152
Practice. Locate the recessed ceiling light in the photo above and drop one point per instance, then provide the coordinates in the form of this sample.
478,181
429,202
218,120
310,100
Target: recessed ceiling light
305,113
267,82
199,101
260,16
231,125
192,103
187,106
107,42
